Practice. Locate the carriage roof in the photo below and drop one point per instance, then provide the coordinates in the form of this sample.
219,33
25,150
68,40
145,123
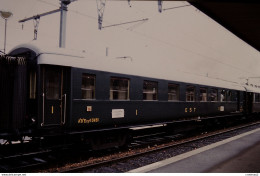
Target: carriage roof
158,69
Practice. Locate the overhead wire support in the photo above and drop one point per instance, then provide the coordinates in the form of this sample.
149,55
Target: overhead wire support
36,22
129,3
39,15
100,9
160,5
63,14
63,19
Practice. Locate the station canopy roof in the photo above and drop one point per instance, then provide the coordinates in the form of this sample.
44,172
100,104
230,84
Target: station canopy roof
241,17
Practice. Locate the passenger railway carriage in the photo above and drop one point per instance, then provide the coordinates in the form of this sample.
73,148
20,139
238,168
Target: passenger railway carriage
98,100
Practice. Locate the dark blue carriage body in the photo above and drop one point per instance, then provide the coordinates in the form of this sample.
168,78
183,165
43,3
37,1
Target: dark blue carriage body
53,102
136,111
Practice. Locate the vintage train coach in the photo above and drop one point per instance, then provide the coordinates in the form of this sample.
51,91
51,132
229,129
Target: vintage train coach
59,93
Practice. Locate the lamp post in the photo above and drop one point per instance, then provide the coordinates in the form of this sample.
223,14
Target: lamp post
5,16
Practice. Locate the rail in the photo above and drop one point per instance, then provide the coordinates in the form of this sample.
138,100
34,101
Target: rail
151,150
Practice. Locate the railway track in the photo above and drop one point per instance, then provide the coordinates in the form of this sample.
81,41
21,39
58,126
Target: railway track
21,158
145,147
25,161
131,159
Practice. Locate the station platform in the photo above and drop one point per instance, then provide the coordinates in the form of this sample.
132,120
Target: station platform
239,154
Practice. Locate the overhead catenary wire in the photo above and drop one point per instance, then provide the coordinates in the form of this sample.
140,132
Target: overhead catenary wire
166,42
51,4
171,8
129,22
190,51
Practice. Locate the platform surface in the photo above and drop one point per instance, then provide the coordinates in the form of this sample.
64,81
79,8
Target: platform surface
239,154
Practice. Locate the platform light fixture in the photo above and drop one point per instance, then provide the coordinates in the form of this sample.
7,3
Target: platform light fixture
5,16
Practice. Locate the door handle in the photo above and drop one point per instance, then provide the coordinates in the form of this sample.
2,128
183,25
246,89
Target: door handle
64,109
43,110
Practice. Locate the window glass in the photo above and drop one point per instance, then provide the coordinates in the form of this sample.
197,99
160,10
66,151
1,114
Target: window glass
203,94
214,95
228,95
119,89
88,86
53,84
32,85
234,96
190,93
150,90
257,97
223,95
173,92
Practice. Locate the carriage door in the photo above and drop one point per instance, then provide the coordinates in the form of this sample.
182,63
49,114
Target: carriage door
250,98
54,100
248,102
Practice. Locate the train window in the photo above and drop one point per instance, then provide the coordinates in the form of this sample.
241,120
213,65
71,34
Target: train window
223,95
228,95
234,96
190,93
32,94
173,92
150,90
214,95
88,86
203,94
257,97
53,84
119,89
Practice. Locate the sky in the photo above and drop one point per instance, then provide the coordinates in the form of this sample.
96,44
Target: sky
196,43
